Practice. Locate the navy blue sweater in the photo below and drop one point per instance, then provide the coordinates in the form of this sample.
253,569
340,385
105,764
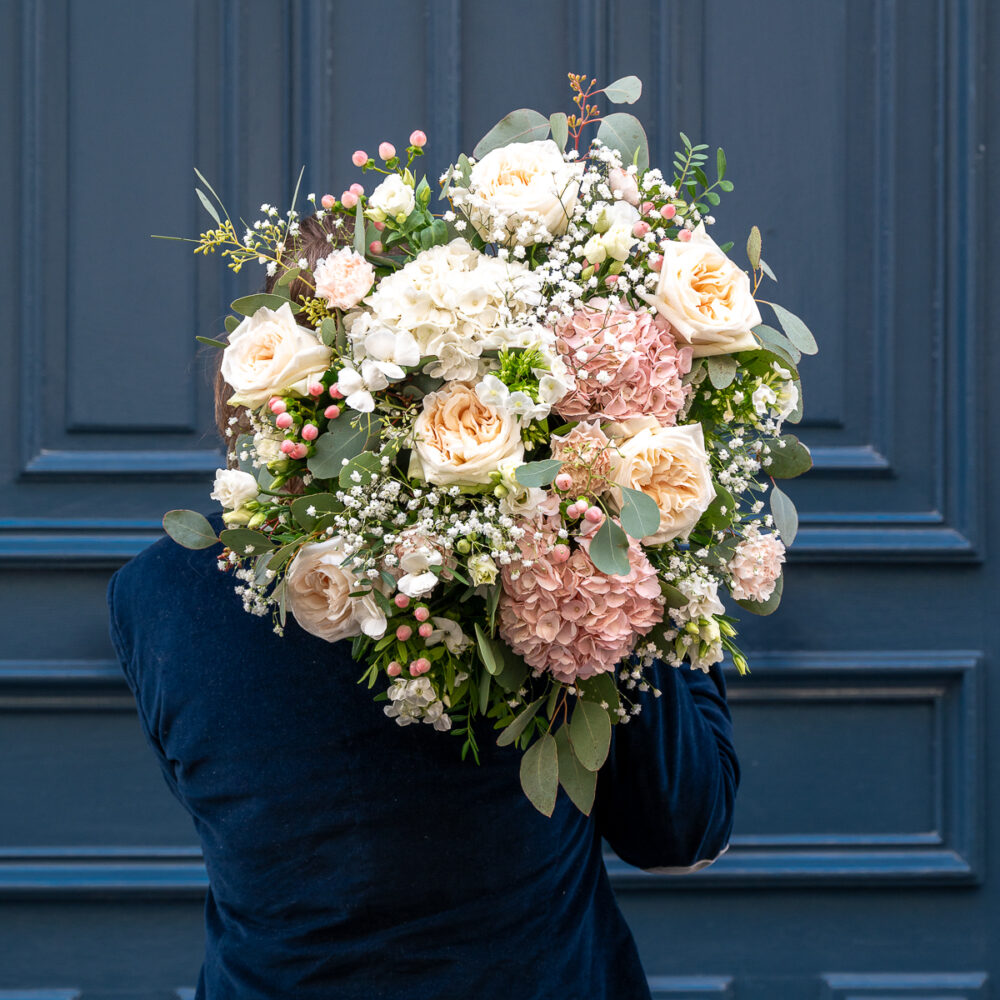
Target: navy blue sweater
353,859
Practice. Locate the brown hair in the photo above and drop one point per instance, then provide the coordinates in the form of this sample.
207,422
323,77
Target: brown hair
312,242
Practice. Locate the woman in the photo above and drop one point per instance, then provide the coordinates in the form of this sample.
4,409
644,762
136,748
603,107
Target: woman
348,858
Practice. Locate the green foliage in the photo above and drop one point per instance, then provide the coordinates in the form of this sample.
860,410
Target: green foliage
721,369
366,465
600,687
210,342
523,125
249,304
777,342
590,734
786,517
769,606
537,473
625,133
341,440
609,549
672,597
753,248
540,774
560,129
189,528
797,332
520,723
489,653
579,783
639,514
789,459
208,206
320,503
626,90
246,541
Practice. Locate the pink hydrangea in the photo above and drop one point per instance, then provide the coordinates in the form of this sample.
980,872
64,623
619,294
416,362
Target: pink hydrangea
570,618
586,457
627,364
756,566
343,278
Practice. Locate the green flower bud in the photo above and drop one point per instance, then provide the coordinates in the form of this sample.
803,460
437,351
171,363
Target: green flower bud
257,520
463,546
616,267
587,272
693,628
236,518
500,491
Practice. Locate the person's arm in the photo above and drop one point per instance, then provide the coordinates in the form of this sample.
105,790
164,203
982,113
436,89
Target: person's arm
665,795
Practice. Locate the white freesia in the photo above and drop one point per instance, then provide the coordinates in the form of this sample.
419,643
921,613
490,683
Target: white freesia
318,588
450,633
393,198
523,193
391,352
618,240
357,387
417,584
670,465
763,398
492,391
270,354
705,297
234,488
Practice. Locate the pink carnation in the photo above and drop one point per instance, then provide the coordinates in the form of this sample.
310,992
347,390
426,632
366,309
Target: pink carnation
586,458
570,618
627,364
343,278
756,566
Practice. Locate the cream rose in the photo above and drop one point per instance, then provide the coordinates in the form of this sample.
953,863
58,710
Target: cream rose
318,589
670,465
269,354
233,488
525,184
393,198
705,297
459,439
343,278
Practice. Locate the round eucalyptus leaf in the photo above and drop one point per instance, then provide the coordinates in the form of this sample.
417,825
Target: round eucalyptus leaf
189,528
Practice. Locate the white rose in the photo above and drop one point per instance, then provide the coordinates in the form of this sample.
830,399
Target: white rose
482,569
317,591
393,198
705,297
670,465
523,182
234,488
270,354
459,439
594,250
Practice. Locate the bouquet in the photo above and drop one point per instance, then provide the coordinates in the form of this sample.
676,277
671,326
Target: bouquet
512,448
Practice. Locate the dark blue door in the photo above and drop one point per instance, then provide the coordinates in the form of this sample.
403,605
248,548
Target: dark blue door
858,133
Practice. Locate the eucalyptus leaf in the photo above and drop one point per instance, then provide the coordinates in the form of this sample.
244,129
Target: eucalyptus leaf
231,323
319,503
537,473
558,123
768,607
208,206
540,774
609,549
366,465
341,440
520,723
798,333
719,514
246,541
189,528
523,125
590,734
210,342
600,687
672,596
289,276
211,190
515,671
775,340
753,248
639,514
789,457
282,555
485,680
765,267
249,304
627,90
625,133
721,369
578,783
328,331
488,653
786,517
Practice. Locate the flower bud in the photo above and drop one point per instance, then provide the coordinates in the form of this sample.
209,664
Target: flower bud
360,158
463,547
417,138
328,201
386,150
257,520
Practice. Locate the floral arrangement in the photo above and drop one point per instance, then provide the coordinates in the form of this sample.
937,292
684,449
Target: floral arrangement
513,449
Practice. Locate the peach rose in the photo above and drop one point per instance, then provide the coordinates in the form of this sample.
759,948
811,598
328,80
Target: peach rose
670,465
705,297
459,439
343,278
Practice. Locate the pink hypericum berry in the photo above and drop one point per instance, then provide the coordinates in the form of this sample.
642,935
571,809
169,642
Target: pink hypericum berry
640,229
287,446
332,412
425,630
349,198
394,669
315,388
668,211
277,405
360,158
310,432
684,235
403,633
375,246
417,138
357,189
386,150
594,514
284,421
420,666
379,226
421,614
655,262
299,451
401,601
564,481
647,207
572,513
610,279
335,392
560,553
328,201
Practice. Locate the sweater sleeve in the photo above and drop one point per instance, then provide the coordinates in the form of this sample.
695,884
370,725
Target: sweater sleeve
665,795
